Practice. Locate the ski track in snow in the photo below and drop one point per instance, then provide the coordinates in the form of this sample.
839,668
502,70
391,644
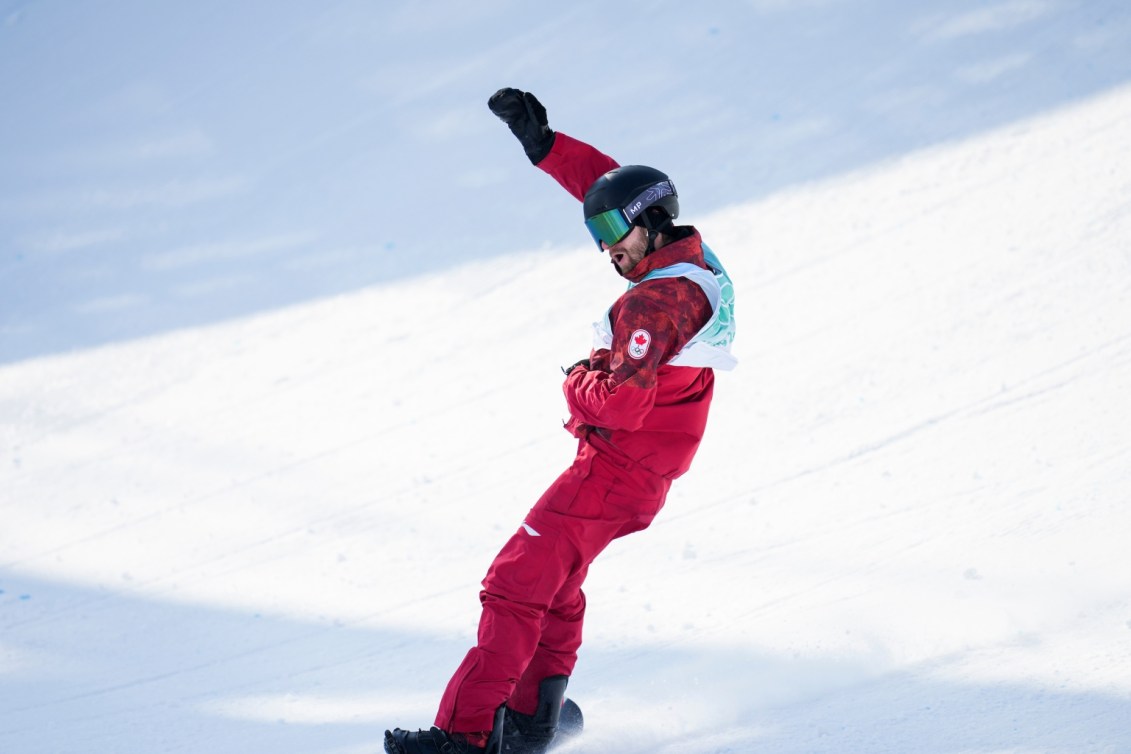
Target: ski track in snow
262,527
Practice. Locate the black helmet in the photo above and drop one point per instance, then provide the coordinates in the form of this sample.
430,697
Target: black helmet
626,196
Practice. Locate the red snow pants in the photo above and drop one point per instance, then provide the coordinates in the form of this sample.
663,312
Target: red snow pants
533,606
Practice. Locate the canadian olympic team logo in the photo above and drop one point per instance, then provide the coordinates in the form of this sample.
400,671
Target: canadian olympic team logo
638,344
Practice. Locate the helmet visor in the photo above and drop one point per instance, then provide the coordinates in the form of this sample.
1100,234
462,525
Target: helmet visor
608,227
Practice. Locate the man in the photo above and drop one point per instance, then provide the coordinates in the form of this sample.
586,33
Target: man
638,406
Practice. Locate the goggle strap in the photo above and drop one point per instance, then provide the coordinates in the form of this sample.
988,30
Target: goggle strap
647,198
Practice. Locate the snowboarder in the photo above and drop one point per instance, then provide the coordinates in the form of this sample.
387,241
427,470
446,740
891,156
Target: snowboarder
638,407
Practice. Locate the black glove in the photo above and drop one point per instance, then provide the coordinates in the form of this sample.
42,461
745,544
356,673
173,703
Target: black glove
526,117
582,363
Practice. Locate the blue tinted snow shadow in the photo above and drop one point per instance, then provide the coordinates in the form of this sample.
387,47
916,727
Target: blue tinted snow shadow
97,671
167,165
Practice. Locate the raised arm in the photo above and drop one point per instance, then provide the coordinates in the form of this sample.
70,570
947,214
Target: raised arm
576,165
572,163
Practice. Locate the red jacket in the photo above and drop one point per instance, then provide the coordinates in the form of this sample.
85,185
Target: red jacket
629,402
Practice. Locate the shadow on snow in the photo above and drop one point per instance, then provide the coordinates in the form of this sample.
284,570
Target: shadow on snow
92,670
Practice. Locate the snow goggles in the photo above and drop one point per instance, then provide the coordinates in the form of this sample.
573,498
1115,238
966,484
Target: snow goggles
609,227
613,225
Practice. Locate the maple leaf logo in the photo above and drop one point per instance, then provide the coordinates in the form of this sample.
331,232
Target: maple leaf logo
638,344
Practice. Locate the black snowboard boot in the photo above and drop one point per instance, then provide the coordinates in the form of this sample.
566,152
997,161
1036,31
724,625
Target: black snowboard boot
554,719
434,741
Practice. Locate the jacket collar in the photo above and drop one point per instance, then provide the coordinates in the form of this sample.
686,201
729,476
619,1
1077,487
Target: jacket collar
688,247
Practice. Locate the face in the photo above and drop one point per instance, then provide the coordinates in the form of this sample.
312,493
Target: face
627,252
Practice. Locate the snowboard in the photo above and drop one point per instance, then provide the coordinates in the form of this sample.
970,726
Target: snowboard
571,722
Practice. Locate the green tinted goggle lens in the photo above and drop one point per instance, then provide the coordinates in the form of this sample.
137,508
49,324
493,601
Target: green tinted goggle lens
609,227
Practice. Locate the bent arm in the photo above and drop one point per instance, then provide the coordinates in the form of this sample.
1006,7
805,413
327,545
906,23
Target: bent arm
644,339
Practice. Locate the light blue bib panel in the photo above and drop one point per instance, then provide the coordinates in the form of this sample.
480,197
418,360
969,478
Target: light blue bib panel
710,347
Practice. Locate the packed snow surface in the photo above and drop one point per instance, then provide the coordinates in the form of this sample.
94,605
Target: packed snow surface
282,310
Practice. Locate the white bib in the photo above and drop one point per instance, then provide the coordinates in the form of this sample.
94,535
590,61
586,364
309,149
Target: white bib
710,347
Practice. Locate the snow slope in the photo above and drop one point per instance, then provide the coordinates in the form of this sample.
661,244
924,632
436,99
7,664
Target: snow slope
905,530
171,164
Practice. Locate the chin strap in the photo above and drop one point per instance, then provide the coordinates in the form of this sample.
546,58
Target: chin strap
653,231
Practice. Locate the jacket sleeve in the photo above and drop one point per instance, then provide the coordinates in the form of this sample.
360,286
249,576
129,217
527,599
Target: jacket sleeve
575,165
644,339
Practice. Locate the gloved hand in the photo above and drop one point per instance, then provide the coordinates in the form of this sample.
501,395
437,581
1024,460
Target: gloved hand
583,363
526,117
